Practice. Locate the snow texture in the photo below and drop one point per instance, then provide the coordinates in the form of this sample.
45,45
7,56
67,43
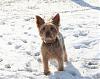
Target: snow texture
20,56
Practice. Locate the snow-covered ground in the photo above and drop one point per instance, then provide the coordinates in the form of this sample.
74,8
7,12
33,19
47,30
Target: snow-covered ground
20,56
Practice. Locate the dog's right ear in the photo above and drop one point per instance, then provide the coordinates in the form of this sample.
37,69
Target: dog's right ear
56,19
39,21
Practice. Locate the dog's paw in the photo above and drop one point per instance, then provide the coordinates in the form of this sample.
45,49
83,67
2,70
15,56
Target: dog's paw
61,69
65,60
46,72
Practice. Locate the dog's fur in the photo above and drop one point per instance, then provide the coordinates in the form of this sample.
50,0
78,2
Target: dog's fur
53,43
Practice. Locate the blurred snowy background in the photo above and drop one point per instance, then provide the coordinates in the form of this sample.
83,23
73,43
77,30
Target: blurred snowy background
20,56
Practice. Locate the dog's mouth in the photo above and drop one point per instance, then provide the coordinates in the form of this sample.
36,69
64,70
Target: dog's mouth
49,40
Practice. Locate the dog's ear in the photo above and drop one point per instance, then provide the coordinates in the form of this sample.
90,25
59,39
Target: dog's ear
56,19
39,21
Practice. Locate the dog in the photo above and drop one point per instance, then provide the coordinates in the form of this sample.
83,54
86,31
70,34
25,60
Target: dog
52,42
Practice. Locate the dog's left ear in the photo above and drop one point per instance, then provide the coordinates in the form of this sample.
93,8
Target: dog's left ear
56,20
39,21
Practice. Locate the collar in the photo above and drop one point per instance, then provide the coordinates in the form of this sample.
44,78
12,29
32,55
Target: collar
52,42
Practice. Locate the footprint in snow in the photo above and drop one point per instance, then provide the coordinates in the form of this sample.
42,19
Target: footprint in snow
1,59
2,23
25,32
91,64
68,28
17,46
85,44
80,33
29,28
7,66
28,19
9,43
28,69
37,54
24,40
29,53
1,36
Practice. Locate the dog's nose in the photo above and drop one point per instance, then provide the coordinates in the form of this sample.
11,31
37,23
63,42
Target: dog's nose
47,34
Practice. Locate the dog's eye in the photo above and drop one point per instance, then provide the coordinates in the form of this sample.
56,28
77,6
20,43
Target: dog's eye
43,28
52,29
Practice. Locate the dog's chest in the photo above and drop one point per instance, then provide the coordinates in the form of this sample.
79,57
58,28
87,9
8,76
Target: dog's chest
56,46
53,47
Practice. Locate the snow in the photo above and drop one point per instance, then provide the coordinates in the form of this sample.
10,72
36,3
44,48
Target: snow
20,56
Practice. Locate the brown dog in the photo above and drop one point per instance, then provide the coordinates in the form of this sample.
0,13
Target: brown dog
53,43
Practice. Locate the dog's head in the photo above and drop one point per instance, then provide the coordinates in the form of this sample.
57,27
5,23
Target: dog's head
48,31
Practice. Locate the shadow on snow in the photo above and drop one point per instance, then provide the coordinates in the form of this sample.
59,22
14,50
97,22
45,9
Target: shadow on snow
84,4
70,72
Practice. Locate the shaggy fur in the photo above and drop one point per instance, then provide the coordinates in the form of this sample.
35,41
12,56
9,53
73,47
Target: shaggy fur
53,43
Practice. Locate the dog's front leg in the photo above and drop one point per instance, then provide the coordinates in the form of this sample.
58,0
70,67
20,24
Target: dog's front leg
45,61
60,63
65,57
45,64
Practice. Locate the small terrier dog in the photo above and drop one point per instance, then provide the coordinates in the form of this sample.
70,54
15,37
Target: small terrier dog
53,43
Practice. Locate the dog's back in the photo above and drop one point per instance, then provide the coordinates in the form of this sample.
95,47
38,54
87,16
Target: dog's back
61,40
